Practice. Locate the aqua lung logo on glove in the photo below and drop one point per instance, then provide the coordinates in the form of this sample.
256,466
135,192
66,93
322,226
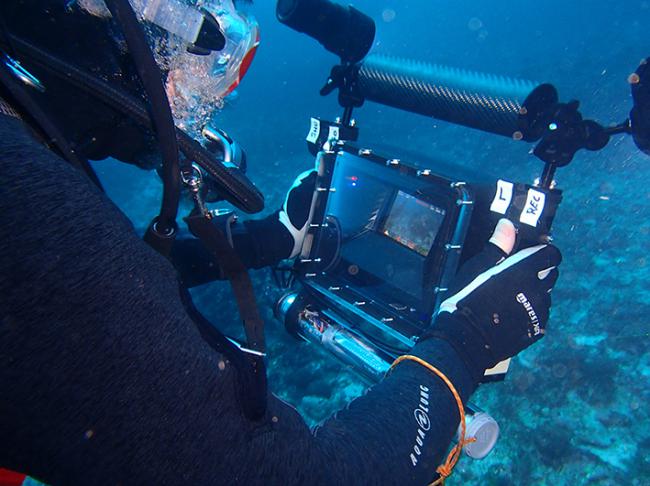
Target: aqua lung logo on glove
421,415
532,315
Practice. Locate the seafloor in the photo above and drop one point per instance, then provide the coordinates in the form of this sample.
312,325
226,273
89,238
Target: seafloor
574,408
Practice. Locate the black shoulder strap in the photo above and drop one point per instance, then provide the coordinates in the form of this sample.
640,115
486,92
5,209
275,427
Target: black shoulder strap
208,230
251,371
211,233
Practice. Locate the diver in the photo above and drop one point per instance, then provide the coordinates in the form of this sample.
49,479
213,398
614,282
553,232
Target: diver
104,377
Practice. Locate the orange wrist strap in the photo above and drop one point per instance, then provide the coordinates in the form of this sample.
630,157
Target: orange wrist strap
445,469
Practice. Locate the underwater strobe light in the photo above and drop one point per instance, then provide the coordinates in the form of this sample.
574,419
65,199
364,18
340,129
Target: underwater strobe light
640,114
344,31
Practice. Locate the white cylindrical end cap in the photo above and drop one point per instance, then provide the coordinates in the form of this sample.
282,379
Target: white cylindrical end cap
485,430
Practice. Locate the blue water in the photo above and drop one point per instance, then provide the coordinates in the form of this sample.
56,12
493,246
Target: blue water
573,410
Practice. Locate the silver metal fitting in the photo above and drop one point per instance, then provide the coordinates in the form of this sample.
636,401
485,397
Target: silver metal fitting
194,178
309,260
167,233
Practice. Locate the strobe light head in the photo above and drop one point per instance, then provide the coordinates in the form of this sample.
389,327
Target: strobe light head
342,30
640,114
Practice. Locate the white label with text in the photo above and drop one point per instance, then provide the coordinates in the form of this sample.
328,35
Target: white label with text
314,131
503,197
533,208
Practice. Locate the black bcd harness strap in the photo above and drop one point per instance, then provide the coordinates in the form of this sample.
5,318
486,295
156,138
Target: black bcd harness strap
251,378
212,231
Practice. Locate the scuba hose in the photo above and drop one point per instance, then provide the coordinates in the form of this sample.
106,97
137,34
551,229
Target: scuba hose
239,191
161,115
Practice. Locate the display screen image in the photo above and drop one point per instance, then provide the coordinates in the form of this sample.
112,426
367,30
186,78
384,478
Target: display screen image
413,223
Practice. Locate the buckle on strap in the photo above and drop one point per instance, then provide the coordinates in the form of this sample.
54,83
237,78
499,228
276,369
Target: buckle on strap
246,350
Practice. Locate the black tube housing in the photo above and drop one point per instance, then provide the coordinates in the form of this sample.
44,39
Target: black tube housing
495,104
342,30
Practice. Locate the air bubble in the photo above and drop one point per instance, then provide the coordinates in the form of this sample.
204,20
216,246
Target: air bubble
388,15
474,24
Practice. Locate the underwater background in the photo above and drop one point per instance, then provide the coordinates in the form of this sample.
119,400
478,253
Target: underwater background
574,407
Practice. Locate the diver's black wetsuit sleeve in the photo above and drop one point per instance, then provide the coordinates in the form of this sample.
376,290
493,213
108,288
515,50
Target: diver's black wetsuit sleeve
259,243
105,380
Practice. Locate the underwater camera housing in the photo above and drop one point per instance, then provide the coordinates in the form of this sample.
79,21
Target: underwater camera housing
388,234
386,240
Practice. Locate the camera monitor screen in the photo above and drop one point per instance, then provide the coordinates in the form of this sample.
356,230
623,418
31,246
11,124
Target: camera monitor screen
413,223
389,220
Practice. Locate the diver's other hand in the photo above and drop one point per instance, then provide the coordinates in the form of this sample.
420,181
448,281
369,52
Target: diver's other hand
503,308
297,211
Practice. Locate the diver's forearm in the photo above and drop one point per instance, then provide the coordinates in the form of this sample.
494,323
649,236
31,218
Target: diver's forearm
399,432
259,243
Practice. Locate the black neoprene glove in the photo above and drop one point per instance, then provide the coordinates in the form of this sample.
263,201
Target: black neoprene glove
500,305
298,209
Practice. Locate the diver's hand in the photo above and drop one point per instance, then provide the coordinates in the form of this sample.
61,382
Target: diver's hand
500,305
297,211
